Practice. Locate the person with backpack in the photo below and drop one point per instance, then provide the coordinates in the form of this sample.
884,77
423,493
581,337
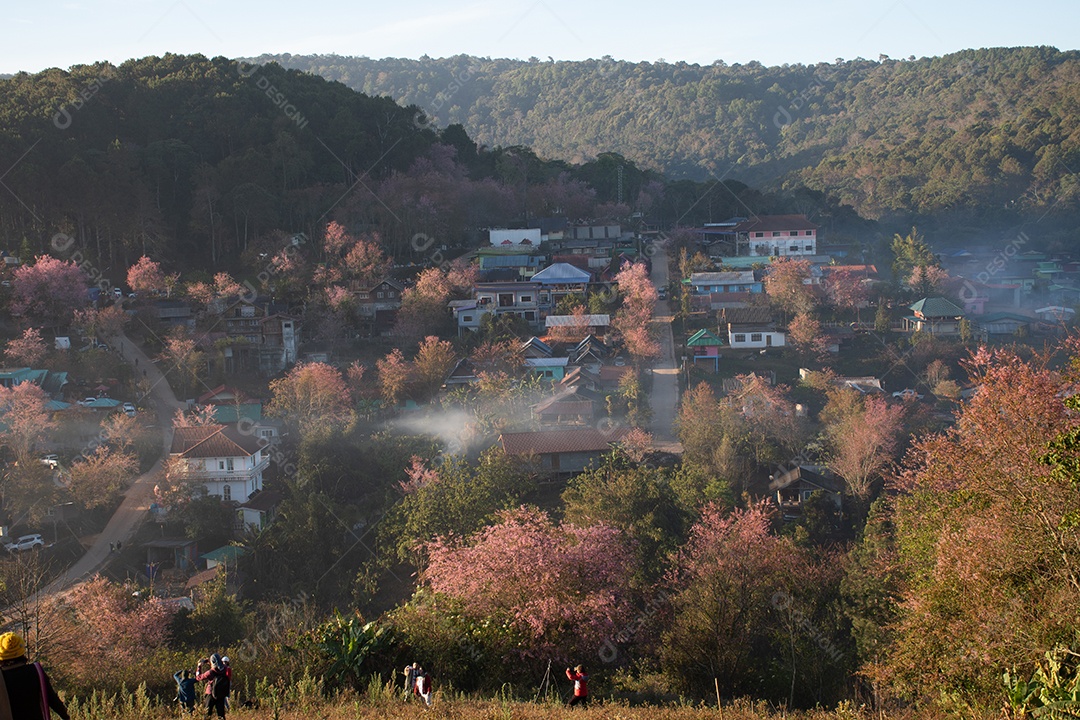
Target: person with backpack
410,680
581,686
25,693
185,690
229,675
423,685
212,671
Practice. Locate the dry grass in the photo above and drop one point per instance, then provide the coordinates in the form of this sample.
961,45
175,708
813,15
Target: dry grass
391,706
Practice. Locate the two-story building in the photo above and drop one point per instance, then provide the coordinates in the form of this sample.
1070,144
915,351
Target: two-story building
716,290
227,462
263,336
559,280
762,236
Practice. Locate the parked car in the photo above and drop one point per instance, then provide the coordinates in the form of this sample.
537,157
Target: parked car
87,401
662,293
25,542
907,394
129,409
51,460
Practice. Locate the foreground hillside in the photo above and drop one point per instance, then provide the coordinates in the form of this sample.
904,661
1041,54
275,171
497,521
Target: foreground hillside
994,126
467,709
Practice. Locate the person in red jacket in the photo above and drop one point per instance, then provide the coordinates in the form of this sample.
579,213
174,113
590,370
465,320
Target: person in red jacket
581,686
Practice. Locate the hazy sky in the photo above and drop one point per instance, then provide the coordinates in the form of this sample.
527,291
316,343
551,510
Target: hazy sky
36,34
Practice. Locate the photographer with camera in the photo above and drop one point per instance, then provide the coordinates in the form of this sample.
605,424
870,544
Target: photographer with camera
212,671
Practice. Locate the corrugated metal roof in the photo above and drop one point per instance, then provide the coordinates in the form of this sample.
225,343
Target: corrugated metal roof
545,442
577,321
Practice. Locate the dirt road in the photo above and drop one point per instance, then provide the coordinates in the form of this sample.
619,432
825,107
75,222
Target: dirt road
664,399
136,504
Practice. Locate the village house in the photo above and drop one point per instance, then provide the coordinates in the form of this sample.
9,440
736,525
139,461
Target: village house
262,336
717,290
794,488
564,451
704,346
558,281
934,315
751,329
382,298
763,236
227,462
588,324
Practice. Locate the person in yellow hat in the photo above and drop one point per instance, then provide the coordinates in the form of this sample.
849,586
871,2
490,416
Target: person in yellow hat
30,695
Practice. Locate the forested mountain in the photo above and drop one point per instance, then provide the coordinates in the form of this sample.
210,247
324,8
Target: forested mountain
198,161
198,155
967,132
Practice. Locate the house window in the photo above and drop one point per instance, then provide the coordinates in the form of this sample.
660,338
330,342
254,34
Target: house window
526,299
806,494
226,492
808,232
389,293
364,295
380,294
545,298
793,233
760,234
793,248
247,311
466,318
776,233
809,248
740,338
530,316
755,337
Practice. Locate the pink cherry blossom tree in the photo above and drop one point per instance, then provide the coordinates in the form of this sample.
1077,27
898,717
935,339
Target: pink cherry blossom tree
563,589
49,291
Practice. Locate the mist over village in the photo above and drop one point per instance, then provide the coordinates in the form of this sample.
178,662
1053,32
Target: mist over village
535,377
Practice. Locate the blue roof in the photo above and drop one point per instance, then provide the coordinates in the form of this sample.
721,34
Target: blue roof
561,273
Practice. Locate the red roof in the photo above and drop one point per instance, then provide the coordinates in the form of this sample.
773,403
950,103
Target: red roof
545,442
220,395
213,441
768,223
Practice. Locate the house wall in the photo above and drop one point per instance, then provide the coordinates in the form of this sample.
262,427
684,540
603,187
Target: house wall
781,245
755,339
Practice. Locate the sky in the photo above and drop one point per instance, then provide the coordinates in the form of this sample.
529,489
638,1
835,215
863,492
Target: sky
38,34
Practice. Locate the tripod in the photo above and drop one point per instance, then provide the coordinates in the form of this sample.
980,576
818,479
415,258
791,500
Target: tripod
547,686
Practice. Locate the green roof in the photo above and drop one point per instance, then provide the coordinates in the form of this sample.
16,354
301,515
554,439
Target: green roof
228,414
703,338
936,307
226,554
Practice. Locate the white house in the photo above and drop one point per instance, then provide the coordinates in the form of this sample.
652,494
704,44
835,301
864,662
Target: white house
229,463
751,337
761,236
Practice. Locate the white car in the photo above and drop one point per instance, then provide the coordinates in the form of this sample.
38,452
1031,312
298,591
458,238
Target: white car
51,460
26,542
907,394
129,409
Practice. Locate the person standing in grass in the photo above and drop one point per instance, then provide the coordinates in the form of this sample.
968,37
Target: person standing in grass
185,690
581,686
26,691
